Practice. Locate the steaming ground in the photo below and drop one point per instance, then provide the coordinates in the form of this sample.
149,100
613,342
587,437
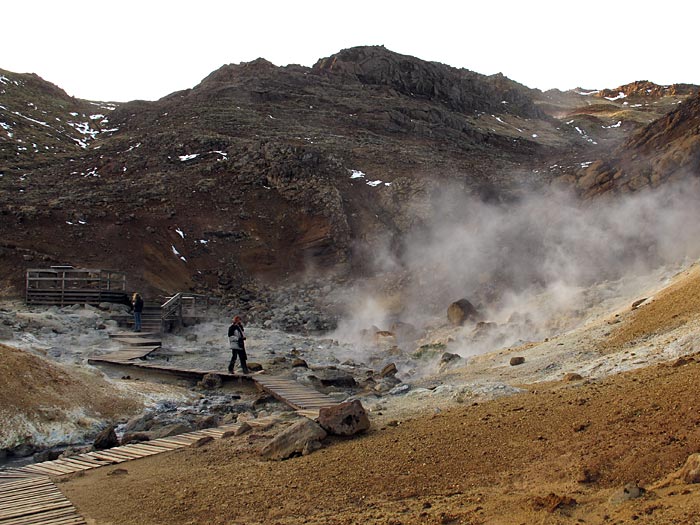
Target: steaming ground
605,446
574,343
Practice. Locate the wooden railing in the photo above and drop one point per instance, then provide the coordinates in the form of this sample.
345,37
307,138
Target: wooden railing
183,307
67,285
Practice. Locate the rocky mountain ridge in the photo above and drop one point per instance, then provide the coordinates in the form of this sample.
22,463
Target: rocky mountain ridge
263,173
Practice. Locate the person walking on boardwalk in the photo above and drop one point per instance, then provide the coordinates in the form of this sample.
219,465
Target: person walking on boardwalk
236,340
137,305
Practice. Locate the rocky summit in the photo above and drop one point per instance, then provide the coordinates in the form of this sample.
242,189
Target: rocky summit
260,173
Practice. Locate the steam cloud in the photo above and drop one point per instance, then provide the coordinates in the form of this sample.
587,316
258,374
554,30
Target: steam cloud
534,266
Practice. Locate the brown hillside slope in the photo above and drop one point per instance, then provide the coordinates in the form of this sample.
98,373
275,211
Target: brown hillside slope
36,392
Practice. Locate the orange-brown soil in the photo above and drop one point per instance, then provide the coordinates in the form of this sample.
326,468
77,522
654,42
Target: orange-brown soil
496,462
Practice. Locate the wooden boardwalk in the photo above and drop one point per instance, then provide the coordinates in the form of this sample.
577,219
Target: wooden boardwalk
36,500
111,456
28,496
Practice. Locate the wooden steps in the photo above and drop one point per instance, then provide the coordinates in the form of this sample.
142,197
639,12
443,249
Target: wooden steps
300,397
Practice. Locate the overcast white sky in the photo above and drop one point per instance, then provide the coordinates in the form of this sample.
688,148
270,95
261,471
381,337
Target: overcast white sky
127,49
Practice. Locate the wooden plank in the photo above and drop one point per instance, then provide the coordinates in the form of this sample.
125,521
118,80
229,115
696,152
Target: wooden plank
56,519
57,466
39,499
149,445
6,491
89,459
28,482
145,449
70,518
160,443
16,494
22,511
81,465
121,451
174,444
110,457
42,470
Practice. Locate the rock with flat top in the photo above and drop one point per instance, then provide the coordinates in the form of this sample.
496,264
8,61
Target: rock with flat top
345,419
302,437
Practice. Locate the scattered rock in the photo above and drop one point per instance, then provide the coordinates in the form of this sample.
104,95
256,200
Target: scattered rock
171,430
384,337
245,427
461,311
682,361
24,450
211,381
139,423
638,303
588,475
47,455
405,332
106,439
690,473
207,422
572,376
580,427
518,360
299,363
552,502
295,440
345,419
389,370
335,378
134,437
399,389
202,441
254,367
626,493
448,358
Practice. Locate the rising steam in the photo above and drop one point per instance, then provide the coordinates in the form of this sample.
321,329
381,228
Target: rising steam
533,266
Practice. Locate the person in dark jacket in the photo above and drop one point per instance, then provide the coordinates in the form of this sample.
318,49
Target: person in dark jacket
236,341
137,305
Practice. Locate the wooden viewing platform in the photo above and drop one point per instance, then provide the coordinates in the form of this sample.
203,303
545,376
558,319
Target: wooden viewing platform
64,285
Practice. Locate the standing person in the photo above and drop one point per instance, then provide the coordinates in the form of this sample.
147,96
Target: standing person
137,305
236,341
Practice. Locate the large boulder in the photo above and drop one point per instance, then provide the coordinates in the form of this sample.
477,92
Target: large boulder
301,438
211,381
461,311
106,439
345,419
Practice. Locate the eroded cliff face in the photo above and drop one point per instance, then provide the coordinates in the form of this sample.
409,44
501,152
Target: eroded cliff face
666,150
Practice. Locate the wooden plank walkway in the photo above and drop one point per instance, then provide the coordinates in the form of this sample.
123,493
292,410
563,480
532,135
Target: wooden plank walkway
305,400
111,456
34,501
